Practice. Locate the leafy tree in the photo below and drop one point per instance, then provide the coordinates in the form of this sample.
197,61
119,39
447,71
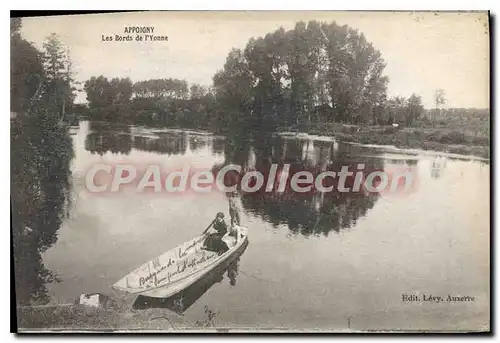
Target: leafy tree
41,151
96,89
439,98
414,109
197,91
233,91
59,81
403,110
109,99
125,90
26,70
395,111
103,92
314,72
161,88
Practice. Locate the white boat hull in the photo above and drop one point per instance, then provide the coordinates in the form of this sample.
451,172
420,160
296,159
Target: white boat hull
178,268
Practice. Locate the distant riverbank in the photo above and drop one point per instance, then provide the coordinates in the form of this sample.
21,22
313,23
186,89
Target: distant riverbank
464,141
439,139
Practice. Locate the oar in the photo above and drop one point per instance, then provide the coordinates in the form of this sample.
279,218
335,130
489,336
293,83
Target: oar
209,226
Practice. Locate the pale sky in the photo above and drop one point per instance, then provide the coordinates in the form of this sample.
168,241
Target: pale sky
423,50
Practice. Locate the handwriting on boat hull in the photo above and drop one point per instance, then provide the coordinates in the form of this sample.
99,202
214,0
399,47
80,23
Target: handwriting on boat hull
174,270
181,263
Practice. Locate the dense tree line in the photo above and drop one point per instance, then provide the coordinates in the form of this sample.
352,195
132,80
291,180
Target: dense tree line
161,102
161,88
402,110
102,92
316,73
41,151
39,77
462,113
26,69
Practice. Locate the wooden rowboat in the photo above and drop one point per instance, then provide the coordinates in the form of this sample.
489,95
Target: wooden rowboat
179,267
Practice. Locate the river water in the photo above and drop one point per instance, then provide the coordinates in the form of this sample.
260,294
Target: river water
313,262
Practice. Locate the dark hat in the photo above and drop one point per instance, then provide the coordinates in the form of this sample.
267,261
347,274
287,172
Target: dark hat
220,215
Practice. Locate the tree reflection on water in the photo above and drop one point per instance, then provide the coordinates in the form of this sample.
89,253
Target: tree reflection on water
104,137
118,139
311,212
41,152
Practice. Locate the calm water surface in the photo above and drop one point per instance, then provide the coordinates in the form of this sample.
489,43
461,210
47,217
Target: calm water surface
313,261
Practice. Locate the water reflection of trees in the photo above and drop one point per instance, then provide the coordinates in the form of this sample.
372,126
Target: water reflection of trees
118,139
307,213
167,144
236,149
438,166
41,152
197,142
103,138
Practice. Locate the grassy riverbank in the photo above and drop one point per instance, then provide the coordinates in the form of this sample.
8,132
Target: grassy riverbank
465,140
85,318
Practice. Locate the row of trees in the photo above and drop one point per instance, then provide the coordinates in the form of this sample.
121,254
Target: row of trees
161,88
402,110
102,91
315,73
157,101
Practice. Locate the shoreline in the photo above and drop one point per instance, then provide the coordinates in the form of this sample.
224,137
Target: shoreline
78,317
426,139
441,139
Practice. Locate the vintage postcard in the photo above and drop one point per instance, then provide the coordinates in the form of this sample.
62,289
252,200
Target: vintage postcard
251,171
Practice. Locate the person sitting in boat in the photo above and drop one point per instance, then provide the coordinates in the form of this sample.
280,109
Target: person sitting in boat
214,241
